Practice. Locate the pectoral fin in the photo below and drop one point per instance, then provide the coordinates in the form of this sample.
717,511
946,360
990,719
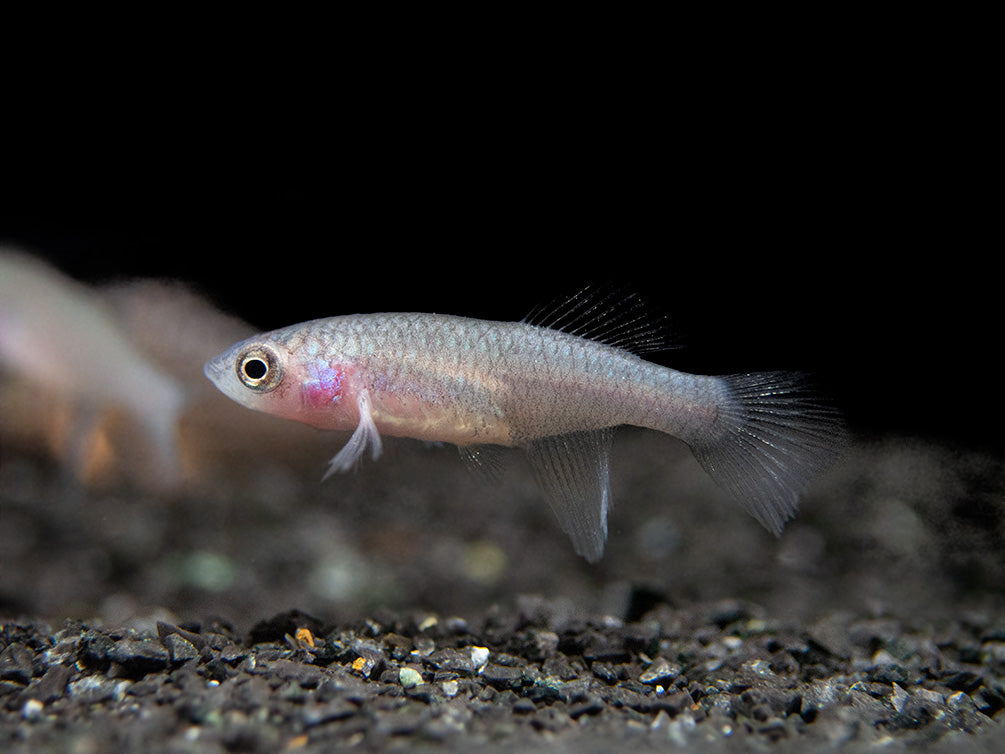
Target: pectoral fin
365,434
572,470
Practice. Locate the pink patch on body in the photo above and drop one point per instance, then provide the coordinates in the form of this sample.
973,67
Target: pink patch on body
323,386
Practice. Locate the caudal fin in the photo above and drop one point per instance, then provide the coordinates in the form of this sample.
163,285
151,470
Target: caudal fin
773,437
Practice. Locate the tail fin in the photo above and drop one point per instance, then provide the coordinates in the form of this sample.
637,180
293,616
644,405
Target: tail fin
775,436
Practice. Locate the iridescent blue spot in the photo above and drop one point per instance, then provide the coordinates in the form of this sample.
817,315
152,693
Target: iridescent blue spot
325,379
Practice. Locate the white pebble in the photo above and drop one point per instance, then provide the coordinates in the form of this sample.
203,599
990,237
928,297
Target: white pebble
480,657
409,677
32,709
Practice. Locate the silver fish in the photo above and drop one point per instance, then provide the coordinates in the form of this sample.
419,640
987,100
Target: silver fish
556,394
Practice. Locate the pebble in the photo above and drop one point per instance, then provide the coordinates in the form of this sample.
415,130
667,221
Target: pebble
479,657
660,672
409,677
710,673
32,709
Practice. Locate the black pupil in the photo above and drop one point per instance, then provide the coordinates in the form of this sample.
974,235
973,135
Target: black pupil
255,368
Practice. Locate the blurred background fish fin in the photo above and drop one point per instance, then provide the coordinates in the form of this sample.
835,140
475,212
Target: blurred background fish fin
162,429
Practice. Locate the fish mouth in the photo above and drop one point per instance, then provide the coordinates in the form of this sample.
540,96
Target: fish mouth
214,370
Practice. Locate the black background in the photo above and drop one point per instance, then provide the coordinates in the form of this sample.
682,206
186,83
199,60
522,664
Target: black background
822,221
851,236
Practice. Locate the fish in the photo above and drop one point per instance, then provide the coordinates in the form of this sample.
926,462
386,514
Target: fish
550,384
59,338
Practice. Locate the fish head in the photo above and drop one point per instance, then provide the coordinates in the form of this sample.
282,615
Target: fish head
250,373
271,375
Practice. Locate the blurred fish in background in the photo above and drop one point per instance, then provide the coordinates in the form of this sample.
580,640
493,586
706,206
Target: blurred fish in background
108,379
78,377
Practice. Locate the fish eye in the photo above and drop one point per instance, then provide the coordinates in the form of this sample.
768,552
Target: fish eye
260,368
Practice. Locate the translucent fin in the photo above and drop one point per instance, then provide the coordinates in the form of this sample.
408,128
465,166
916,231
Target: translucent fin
572,470
607,314
365,434
483,459
780,435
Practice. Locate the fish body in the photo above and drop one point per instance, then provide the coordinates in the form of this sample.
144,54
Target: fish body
464,381
553,393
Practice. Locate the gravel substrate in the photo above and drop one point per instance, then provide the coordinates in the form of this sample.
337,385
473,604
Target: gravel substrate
527,677
132,621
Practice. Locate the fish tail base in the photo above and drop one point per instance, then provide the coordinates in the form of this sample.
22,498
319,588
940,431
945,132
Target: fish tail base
772,436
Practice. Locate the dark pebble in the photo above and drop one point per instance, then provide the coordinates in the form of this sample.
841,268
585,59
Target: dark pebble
889,673
166,630
501,676
179,648
134,658
52,685
524,705
660,672
93,650
545,681
16,664
994,699
963,680
592,705
451,660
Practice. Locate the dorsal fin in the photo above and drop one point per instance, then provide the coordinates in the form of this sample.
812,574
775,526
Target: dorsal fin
611,315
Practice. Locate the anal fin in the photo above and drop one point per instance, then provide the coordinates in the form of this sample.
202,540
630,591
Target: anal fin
483,459
573,472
